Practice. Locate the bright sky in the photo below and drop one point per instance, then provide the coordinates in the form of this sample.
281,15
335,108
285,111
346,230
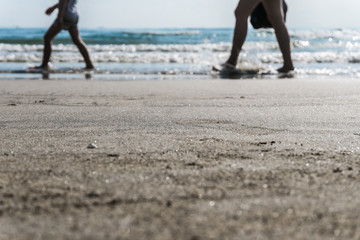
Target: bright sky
175,13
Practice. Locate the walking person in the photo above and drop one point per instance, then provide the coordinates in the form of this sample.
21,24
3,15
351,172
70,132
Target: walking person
67,19
275,14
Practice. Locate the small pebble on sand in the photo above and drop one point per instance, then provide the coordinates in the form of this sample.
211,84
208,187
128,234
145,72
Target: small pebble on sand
92,146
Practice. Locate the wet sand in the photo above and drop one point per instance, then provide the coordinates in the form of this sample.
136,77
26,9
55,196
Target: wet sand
206,159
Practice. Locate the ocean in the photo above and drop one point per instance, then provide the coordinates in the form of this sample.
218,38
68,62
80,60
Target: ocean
126,54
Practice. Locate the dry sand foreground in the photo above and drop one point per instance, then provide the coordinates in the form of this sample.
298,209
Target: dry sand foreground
208,159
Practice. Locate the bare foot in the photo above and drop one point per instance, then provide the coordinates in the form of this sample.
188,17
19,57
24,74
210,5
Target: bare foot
228,67
285,69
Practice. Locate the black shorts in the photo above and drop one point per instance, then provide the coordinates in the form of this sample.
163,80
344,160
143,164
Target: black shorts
69,23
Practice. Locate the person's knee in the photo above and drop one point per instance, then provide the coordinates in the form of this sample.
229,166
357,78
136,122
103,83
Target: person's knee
240,14
47,38
76,39
237,12
276,19
78,42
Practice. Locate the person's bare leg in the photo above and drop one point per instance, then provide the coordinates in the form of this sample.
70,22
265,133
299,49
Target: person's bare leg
48,38
274,11
76,38
242,12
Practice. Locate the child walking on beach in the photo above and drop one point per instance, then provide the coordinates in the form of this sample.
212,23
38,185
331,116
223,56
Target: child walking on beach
275,14
67,19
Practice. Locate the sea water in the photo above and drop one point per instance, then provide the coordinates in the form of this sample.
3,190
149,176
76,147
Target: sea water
180,53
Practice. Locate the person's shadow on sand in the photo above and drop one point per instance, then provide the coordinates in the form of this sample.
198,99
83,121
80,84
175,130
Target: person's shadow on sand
46,75
253,74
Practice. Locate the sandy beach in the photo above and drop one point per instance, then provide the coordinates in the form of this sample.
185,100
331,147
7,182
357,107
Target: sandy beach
181,159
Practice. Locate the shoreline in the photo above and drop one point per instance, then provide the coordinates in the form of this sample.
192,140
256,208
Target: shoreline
184,159
81,75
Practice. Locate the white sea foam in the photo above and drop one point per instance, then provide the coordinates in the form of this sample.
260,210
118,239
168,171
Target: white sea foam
139,48
334,34
266,53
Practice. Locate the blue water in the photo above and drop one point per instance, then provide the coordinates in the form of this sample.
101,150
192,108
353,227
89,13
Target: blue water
124,36
179,53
